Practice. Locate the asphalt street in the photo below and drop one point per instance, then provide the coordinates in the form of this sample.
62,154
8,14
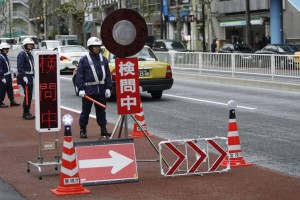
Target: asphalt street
267,119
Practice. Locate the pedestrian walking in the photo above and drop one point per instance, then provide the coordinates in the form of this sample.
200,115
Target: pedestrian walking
93,79
5,76
213,46
25,66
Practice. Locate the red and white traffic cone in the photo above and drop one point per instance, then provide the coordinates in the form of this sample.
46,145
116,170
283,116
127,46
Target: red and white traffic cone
16,87
234,145
137,132
69,178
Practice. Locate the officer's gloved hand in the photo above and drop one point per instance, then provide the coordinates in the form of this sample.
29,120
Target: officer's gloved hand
107,93
81,93
25,79
4,80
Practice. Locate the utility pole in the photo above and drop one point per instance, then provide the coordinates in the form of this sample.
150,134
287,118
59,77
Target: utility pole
178,28
161,20
248,23
9,17
203,27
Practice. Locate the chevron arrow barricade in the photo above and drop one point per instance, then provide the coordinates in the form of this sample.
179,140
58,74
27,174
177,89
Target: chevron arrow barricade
193,156
69,177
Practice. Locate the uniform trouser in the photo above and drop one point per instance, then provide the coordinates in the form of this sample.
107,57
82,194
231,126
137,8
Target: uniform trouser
4,88
26,107
86,110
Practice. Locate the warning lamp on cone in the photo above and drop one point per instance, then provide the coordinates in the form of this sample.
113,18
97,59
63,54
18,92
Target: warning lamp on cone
69,182
68,121
234,143
232,104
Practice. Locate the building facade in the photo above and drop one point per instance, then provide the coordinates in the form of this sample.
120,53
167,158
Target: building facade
195,22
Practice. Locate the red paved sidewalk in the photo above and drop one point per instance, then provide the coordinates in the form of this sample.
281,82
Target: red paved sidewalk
19,144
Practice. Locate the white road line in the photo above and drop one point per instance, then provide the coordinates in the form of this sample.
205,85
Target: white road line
76,111
193,99
66,78
206,101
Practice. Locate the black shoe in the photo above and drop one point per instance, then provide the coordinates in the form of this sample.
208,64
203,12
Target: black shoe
14,103
105,134
28,116
83,133
3,105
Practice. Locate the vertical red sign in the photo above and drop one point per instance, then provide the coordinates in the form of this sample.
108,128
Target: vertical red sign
47,92
127,86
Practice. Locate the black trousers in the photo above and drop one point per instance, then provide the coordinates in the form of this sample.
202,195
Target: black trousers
86,110
6,88
26,107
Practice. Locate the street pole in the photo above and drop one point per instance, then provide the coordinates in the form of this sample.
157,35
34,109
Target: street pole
9,13
203,26
161,20
45,19
248,23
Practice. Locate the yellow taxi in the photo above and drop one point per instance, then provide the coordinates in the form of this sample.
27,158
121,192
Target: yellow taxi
155,76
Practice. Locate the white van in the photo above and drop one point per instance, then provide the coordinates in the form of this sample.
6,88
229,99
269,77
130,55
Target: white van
50,44
67,39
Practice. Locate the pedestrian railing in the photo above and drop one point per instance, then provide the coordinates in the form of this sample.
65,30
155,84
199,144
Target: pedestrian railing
258,66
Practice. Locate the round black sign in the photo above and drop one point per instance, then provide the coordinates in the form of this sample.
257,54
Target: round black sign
124,32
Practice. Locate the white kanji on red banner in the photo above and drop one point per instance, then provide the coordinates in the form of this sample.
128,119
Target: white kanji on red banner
127,84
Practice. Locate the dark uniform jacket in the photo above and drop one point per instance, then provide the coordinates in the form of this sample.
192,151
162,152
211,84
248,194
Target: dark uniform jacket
25,68
85,75
5,70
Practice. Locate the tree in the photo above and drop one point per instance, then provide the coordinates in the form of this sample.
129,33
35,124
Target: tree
4,15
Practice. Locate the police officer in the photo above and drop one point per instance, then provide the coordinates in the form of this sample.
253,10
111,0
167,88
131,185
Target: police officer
5,77
25,65
93,79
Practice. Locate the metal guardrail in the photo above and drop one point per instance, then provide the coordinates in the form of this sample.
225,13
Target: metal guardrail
258,66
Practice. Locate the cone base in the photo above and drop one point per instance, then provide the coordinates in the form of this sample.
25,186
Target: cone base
140,134
236,163
70,190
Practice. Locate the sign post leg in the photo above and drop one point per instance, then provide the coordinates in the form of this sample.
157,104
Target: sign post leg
148,138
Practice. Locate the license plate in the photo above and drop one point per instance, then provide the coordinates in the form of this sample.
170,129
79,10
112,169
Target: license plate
144,72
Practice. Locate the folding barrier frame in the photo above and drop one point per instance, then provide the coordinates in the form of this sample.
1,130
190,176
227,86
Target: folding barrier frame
190,155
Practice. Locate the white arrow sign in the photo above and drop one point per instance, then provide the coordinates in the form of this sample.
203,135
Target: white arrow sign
117,162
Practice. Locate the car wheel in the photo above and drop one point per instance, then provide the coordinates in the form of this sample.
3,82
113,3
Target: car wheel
156,94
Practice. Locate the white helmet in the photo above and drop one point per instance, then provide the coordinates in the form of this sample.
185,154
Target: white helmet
4,45
27,41
94,41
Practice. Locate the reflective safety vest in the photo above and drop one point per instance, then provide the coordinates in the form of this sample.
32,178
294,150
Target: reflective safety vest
94,71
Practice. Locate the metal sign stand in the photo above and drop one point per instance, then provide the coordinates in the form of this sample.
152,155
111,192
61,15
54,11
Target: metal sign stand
47,106
120,124
45,147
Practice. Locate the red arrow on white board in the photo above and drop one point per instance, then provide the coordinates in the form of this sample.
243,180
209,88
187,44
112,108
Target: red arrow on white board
178,162
202,154
117,162
220,158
